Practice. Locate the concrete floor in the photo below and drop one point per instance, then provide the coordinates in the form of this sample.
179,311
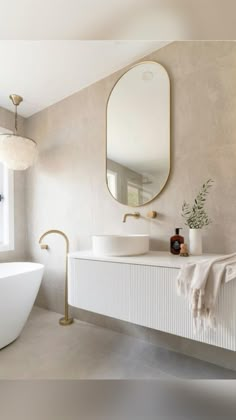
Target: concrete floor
46,350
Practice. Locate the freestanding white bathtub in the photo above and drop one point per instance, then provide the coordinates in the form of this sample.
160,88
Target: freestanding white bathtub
19,285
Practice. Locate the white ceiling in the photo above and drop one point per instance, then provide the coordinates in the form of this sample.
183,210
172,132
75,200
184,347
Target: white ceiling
44,72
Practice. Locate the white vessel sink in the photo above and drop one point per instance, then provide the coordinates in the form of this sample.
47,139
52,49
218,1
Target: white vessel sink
120,245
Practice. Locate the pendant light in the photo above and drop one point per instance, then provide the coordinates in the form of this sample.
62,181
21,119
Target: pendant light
17,152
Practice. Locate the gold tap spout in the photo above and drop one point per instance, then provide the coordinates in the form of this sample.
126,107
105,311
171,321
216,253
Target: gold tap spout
135,214
66,320
58,232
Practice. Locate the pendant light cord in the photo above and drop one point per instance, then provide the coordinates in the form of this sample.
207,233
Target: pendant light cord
15,119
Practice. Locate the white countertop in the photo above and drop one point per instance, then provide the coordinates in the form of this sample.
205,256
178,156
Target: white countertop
153,258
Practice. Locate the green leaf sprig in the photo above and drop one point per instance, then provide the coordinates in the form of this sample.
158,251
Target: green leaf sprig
195,216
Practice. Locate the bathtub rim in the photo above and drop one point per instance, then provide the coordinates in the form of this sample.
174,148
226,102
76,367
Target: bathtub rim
19,268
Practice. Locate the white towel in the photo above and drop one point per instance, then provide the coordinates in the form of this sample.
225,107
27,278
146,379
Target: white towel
200,283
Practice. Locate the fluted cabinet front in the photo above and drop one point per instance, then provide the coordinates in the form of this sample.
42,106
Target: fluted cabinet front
146,295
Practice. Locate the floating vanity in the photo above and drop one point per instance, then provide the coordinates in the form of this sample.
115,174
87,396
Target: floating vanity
142,290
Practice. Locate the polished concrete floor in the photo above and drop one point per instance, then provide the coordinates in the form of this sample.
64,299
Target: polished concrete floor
46,350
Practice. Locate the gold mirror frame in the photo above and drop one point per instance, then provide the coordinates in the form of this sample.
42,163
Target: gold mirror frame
168,175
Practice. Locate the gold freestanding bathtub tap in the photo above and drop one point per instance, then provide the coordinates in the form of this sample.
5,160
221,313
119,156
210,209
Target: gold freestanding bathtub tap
66,320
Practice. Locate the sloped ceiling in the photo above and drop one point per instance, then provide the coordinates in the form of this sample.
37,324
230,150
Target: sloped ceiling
45,72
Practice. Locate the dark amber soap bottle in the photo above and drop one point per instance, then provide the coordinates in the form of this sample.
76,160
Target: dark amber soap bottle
175,242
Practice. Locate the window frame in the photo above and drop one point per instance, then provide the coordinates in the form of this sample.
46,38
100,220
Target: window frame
7,241
114,185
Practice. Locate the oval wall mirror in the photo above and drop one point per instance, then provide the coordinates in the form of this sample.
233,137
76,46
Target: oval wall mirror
138,134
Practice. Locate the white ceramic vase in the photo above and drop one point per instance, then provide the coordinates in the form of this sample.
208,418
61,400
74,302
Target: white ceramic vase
195,241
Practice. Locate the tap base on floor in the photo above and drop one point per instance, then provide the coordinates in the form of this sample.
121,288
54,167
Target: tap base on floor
63,321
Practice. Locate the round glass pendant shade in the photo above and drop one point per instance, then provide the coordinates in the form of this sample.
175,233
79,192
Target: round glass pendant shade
18,153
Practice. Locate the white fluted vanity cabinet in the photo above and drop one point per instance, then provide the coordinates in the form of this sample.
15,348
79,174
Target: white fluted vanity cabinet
142,290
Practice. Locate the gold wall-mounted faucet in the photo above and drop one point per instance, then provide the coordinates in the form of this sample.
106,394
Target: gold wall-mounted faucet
66,320
135,214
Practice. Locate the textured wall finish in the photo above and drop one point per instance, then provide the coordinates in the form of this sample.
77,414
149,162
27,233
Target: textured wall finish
66,189
18,254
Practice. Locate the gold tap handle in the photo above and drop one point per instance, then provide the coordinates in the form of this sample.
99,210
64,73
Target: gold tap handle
44,246
152,214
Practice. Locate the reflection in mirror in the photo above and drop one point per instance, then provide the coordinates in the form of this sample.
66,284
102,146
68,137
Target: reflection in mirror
138,134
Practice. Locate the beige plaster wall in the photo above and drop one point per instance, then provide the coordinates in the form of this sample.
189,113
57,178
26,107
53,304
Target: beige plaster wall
18,254
66,189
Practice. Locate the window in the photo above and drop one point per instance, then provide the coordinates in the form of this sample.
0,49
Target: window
112,182
6,206
133,195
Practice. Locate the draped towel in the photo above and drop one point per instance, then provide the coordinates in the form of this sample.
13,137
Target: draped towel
200,284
